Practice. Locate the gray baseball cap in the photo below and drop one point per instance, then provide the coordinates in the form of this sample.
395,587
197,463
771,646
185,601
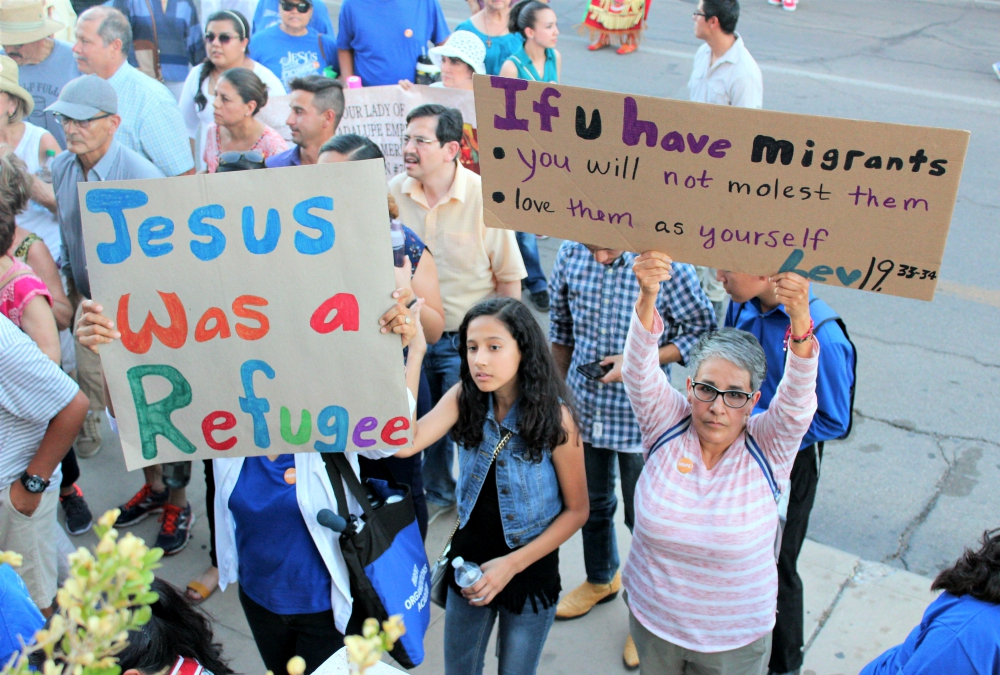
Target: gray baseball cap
86,97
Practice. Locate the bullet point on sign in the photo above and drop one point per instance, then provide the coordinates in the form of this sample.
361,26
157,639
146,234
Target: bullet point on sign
498,197
499,153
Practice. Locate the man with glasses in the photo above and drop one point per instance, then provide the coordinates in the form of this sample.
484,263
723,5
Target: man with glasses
442,202
267,15
293,49
317,106
755,309
589,286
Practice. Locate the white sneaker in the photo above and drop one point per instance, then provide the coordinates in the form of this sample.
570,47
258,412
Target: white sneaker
88,442
776,3
789,5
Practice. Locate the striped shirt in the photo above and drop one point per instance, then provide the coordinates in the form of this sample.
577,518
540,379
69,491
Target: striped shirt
33,390
701,571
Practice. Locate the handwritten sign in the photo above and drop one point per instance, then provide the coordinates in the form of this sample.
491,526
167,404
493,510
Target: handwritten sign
862,205
248,305
380,114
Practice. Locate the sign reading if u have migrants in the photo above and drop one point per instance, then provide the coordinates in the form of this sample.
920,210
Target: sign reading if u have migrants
855,204
248,305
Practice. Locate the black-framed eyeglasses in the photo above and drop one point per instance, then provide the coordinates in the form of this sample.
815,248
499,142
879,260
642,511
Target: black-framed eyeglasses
417,140
695,15
300,7
733,398
224,38
236,156
82,124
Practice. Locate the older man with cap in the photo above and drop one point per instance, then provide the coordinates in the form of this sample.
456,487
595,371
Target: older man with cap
46,64
151,123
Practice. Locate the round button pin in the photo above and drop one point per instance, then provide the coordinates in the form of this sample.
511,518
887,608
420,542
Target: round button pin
290,475
408,32
684,465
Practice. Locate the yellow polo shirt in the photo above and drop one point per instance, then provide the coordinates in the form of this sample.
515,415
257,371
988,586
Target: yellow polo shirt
471,258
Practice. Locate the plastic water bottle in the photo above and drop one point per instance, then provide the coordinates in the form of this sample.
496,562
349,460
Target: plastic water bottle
398,242
354,82
44,173
466,573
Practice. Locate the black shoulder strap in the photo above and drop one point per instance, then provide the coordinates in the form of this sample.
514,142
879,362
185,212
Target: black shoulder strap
340,471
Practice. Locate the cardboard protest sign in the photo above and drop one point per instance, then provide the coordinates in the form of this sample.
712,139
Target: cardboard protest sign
380,114
862,205
248,305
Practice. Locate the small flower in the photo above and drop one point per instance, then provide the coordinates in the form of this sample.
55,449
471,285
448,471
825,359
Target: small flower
394,628
11,558
370,627
296,665
109,518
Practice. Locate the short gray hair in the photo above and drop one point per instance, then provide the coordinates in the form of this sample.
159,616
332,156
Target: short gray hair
734,345
114,26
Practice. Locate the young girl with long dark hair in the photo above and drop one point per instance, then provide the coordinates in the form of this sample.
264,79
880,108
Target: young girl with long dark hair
521,490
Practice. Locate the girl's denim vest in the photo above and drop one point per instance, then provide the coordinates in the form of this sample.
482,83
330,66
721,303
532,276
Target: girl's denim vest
528,491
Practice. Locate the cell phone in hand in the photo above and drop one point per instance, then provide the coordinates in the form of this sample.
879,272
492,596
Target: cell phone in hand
594,370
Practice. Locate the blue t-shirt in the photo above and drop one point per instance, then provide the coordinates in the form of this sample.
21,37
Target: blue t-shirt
957,636
280,567
291,157
290,56
19,618
387,36
267,16
498,47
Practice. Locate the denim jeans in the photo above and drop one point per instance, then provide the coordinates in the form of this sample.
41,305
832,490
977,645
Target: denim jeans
467,632
600,546
528,244
442,364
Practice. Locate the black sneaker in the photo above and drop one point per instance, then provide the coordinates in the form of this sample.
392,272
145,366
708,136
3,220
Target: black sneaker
175,528
540,300
143,504
78,517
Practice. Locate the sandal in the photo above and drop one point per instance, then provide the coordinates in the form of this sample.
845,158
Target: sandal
603,42
627,48
198,592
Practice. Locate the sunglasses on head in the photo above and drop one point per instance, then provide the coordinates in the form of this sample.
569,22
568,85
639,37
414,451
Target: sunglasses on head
224,38
300,7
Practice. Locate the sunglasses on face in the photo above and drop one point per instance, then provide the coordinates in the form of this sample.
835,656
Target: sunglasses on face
300,7
224,38
81,124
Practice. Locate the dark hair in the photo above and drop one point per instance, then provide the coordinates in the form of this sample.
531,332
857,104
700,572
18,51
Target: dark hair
328,94
977,573
523,15
449,126
353,146
176,629
541,392
726,11
15,191
242,27
248,86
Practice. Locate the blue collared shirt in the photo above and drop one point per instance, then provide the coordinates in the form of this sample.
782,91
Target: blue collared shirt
152,124
836,364
118,163
291,157
591,311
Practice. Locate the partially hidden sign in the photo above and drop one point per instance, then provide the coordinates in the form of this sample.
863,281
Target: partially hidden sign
248,305
380,114
855,204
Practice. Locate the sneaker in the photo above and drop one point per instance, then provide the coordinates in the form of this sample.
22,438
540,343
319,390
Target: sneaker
776,3
175,528
996,68
143,504
88,442
789,5
540,300
78,517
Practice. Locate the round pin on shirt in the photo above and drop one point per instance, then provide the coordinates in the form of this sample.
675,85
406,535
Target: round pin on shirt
290,475
408,32
684,465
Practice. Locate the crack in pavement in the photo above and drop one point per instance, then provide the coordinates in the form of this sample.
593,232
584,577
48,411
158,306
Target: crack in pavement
937,436
828,612
911,527
942,352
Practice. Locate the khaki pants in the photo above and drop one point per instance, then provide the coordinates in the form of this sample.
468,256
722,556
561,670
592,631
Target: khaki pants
659,657
88,365
35,538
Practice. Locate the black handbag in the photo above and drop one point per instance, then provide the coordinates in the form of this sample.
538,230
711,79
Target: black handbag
385,557
439,589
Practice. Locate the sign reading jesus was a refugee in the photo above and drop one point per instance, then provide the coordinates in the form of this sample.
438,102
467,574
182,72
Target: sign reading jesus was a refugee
248,305
856,204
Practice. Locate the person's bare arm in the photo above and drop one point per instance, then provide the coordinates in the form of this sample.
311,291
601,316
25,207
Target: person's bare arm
508,69
558,66
474,6
434,425
568,462
41,262
55,444
510,289
563,356
39,324
426,286
346,58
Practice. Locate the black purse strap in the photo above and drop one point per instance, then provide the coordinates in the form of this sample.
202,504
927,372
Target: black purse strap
340,471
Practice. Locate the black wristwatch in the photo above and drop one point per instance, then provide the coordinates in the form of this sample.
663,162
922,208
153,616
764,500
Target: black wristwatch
36,485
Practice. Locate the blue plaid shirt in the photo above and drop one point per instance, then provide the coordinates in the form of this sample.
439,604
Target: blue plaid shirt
591,309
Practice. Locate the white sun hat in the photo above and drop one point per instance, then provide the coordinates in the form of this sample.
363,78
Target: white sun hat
463,45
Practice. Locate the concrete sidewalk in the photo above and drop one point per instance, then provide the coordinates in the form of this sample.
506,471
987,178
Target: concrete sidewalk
854,609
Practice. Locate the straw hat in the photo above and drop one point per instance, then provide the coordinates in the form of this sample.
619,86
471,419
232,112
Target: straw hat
463,45
8,83
24,21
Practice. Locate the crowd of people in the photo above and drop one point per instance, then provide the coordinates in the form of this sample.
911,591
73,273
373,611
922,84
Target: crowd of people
717,481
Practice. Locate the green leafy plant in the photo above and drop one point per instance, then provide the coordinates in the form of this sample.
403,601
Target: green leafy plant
106,595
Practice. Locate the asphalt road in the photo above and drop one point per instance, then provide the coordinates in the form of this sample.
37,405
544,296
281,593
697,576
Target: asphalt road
917,481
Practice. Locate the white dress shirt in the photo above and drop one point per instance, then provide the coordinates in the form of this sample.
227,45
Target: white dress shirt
734,79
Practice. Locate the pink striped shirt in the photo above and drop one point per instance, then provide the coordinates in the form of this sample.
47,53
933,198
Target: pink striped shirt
701,571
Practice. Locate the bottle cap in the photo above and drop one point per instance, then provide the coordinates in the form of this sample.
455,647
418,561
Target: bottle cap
458,562
50,153
354,82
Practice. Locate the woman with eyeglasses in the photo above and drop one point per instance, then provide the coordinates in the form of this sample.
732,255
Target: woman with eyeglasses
227,41
294,49
701,576
239,96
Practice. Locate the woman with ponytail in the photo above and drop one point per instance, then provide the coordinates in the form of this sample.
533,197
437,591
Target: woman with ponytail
538,60
227,43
